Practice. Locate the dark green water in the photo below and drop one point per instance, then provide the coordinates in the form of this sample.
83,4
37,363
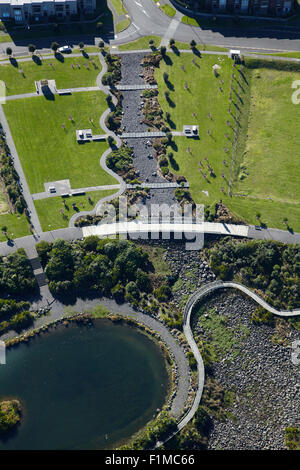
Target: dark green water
83,387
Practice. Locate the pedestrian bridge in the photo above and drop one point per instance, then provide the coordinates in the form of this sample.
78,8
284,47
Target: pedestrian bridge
141,227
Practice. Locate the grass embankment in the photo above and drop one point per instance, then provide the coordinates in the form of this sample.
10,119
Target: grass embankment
270,169
72,72
48,151
55,212
265,171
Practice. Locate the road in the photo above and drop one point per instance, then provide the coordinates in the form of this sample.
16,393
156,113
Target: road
148,19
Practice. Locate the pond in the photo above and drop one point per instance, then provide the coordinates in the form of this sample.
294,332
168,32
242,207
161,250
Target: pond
83,387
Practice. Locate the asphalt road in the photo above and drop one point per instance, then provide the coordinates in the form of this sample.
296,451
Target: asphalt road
148,19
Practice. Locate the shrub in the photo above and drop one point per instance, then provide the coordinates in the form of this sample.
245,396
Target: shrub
163,293
260,316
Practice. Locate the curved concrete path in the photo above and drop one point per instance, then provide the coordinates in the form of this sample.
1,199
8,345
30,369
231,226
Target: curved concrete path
193,300
103,164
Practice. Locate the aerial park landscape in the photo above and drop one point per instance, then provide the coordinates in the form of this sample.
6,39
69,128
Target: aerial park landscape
144,326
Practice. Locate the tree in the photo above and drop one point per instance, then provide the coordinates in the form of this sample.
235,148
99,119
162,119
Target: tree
101,44
9,51
172,42
31,48
109,100
151,43
110,140
81,45
163,50
54,46
193,44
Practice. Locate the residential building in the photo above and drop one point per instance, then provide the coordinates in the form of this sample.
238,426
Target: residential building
24,11
243,7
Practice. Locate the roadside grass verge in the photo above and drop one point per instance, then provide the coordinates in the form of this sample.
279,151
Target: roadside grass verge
142,43
118,6
49,152
72,72
168,10
55,212
5,38
200,47
291,55
122,25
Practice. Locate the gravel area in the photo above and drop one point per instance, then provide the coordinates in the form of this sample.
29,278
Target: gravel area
144,161
131,68
132,108
262,375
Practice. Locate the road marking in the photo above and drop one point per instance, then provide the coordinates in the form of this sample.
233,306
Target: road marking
137,3
146,13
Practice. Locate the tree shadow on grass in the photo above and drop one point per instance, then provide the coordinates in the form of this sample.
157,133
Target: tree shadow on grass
171,123
170,85
167,59
170,102
36,59
14,62
196,52
175,50
59,57
173,146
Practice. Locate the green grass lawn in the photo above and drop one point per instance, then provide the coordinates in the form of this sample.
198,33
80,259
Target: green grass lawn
192,106
142,43
53,214
118,6
200,47
122,25
5,38
168,10
272,149
268,148
47,151
62,72
291,55
17,226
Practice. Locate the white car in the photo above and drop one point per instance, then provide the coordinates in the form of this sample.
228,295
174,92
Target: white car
65,49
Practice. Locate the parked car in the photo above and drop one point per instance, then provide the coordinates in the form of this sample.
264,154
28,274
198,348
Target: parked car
65,49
